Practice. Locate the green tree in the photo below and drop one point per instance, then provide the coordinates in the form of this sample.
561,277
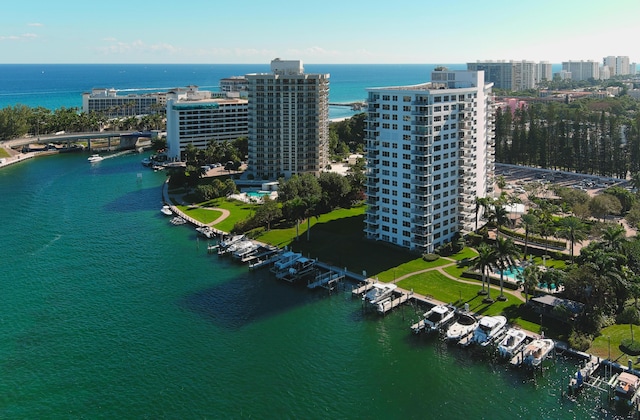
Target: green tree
530,275
483,262
506,254
268,212
572,229
529,222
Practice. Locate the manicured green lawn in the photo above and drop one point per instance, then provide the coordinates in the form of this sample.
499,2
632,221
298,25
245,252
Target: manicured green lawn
201,214
442,288
238,211
412,266
4,153
615,333
465,253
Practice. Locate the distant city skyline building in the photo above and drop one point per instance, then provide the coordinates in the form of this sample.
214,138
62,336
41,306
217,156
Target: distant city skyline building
288,121
582,70
109,103
618,65
430,153
234,84
513,75
198,117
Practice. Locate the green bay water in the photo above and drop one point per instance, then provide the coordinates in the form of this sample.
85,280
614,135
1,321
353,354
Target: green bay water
109,311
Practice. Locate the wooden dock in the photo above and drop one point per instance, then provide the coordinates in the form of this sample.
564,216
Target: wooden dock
363,288
326,280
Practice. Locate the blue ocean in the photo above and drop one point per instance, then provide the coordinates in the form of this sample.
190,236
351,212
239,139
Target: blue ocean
61,85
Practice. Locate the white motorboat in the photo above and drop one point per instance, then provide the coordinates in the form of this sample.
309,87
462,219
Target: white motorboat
166,210
379,293
246,249
625,388
206,231
300,268
438,317
489,329
464,325
537,351
511,342
94,158
285,261
225,245
177,220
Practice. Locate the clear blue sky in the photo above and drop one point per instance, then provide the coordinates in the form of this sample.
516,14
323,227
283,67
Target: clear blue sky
325,31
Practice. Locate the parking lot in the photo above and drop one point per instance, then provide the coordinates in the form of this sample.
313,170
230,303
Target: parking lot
518,177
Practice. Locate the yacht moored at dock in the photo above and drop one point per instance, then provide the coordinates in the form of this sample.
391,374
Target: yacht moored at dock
166,210
285,261
489,329
513,339
435,319
462,327
378,293
626,388
297,270
534,353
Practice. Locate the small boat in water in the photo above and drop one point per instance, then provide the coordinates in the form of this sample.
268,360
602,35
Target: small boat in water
489,329
537,351
177,220
511,342
438,317
166,210
626,387
379,293
462,327
94,158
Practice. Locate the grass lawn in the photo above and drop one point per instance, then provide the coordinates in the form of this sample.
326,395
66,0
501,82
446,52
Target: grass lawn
442,288
615,333
4,153
238,211
412,266
201,214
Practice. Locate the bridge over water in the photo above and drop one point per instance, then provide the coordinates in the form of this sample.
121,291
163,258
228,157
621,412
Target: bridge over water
125,139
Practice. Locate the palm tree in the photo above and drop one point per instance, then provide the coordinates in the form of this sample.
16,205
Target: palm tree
573,230
614,237
506,254
501,215
531,278
484,261
481,202
546,229
528,221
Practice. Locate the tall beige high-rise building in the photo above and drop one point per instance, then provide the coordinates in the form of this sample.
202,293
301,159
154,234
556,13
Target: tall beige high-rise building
288,121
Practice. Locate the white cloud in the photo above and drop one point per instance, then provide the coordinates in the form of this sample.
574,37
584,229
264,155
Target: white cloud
137,46
17,37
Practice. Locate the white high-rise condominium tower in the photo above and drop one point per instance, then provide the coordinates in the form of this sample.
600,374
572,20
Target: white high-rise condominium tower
430,154
288,121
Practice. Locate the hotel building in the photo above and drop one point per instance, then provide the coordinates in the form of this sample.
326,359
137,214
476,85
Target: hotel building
288,121
109,103
197,117
430,153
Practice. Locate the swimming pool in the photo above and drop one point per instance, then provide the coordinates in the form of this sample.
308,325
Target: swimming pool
258,194
512,273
